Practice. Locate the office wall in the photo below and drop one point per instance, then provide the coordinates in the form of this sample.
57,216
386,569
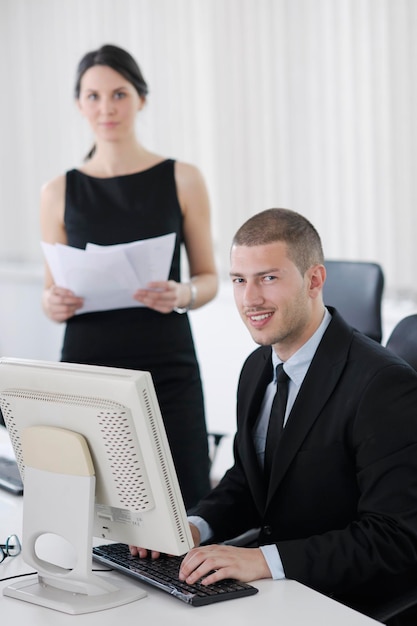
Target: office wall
308,104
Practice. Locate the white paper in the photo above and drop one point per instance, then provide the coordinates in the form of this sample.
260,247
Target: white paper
107,276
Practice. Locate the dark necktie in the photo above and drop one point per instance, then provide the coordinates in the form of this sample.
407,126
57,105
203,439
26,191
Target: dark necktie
276,418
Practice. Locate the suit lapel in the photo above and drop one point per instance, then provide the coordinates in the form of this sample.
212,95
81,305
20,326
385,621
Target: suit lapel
251,402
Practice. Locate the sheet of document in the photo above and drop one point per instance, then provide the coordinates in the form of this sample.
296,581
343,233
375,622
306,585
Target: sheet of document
107,276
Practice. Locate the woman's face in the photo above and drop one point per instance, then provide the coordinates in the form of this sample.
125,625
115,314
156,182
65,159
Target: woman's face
109,102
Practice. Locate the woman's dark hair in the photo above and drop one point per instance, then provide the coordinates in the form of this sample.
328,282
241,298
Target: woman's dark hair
120,61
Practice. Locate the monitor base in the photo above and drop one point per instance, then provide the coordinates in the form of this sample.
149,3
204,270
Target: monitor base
37,592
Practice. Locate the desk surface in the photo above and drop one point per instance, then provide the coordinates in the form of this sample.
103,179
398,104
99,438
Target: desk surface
287,601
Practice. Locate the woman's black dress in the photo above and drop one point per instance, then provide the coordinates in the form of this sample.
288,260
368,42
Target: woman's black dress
122,209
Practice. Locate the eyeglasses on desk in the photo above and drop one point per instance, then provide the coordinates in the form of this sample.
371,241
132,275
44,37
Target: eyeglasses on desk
12,547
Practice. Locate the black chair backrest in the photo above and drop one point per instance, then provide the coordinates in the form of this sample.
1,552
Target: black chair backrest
355,289
403,340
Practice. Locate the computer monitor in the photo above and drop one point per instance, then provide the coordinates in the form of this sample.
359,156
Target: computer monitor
95,461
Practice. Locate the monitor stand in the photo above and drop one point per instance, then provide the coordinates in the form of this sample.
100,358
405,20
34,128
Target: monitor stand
59,492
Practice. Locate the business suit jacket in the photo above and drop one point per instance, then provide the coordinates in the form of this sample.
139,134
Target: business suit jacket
342,500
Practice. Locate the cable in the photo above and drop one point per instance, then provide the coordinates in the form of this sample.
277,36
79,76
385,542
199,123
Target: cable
33,573
17,576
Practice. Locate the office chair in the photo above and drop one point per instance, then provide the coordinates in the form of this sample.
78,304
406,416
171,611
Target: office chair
355,289
403,340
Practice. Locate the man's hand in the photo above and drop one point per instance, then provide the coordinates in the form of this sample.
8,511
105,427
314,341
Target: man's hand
216,562
142,553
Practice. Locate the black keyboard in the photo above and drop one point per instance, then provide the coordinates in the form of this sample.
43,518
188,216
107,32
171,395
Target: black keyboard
10,476
163,573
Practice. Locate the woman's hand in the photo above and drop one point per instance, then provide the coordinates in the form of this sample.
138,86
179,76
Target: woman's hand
164,296
60,304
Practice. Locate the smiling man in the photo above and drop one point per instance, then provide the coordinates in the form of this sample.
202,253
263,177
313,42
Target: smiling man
337,509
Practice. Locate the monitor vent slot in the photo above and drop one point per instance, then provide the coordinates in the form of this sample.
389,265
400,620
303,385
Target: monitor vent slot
128,470
6,409
165,472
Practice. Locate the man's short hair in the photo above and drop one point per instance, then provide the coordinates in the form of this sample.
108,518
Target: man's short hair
303,241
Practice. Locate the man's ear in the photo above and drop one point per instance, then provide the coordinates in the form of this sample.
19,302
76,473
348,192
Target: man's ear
317,277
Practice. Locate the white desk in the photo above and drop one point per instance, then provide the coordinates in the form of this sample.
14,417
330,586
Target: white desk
285,602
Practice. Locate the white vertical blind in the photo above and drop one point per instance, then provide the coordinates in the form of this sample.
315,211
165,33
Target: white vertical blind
308,104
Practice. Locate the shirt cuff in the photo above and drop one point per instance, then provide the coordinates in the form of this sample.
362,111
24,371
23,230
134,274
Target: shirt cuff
202,527
273,560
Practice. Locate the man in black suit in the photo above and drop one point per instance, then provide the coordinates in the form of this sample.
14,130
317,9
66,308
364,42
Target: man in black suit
337,510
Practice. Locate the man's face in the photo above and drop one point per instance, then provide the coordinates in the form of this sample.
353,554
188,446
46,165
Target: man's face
274,300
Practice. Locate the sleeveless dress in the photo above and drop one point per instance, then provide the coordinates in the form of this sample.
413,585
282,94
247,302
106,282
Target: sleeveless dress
122,209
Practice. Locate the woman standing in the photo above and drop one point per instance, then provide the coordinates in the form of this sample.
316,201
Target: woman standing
123,193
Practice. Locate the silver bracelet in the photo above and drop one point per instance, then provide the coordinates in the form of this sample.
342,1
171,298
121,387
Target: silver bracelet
185,309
